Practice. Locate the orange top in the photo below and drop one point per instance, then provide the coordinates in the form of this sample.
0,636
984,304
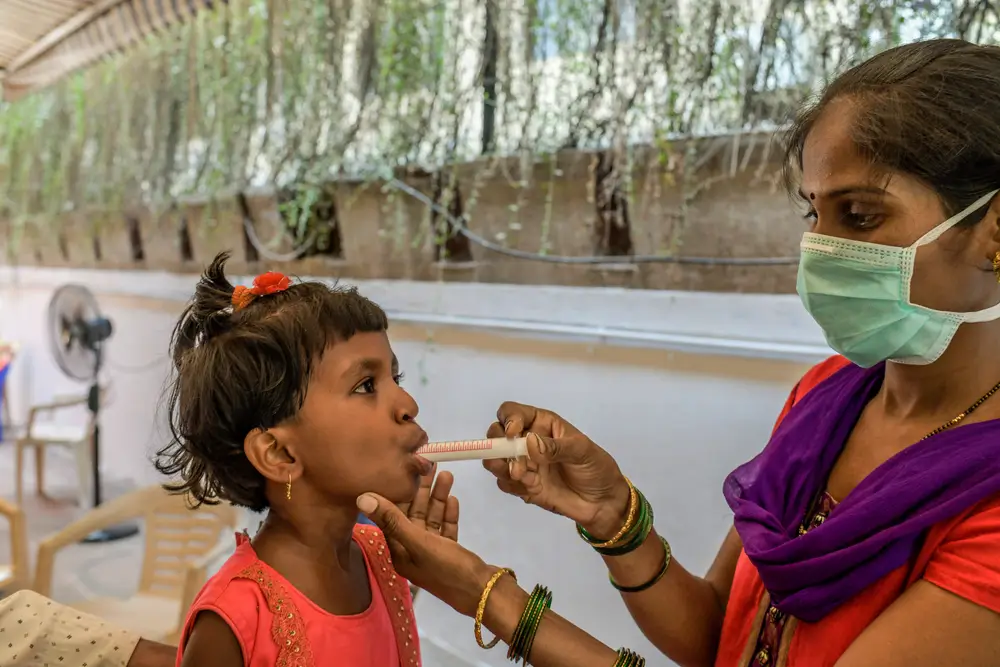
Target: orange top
276,625
961,556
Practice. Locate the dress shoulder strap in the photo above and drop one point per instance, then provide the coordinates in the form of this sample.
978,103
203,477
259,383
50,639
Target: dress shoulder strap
395,591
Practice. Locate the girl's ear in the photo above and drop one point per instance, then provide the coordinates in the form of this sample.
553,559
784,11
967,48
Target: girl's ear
271,456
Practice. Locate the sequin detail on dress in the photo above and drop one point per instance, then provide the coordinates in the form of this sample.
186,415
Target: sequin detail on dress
287,627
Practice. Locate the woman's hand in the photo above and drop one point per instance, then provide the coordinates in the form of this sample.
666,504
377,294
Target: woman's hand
434,509
435,563
565,472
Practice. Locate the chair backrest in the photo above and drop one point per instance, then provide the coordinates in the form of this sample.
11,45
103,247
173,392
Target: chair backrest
177,535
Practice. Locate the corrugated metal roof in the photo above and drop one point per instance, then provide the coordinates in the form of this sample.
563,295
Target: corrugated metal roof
43,40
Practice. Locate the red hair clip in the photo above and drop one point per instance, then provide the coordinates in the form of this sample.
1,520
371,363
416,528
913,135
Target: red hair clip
271,282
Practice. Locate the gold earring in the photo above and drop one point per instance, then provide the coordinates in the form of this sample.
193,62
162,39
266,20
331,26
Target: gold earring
288,484
996,265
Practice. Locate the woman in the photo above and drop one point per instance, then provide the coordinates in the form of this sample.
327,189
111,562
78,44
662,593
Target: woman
867,532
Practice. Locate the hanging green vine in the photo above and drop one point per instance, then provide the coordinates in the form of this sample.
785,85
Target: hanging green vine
296,93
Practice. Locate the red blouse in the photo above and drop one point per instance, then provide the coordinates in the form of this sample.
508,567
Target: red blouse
961,556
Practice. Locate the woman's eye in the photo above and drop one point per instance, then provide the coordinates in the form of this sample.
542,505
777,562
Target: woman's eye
810,217
398,378
859,220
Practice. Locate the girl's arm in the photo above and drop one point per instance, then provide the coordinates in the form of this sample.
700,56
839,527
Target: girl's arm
212,644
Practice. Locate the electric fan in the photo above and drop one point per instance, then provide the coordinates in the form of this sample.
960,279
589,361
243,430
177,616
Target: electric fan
78,333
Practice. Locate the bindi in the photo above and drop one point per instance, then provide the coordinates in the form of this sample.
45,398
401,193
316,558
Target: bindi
812,196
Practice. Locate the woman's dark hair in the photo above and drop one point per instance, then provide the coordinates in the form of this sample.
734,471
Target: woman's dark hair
235,371
929,109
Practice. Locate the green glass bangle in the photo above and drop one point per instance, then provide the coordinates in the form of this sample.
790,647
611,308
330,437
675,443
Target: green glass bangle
627,658
643,507
521,631
515,640
667,557
635,537
534,629
627,537
538,602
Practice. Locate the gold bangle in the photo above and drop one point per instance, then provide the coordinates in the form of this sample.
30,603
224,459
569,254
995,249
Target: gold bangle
633,506
481,609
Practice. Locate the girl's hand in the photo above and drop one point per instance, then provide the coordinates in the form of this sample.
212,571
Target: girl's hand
565,472
435,563
434,509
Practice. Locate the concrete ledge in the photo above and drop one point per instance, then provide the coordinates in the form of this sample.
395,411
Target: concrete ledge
748,325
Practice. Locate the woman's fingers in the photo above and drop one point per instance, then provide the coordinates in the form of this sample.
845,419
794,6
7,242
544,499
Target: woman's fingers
450,527
399,531
516,418
439,495
511,487
495,430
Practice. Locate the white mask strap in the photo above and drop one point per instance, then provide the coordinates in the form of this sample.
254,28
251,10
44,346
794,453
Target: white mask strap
936,233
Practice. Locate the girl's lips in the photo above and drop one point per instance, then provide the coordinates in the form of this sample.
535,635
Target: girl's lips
425,467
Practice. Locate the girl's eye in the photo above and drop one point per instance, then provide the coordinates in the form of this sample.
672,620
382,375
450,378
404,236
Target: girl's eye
366,387
399,377
811,216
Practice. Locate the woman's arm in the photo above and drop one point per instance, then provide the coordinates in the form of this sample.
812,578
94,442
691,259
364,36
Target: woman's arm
927,627
558,643
458,577
682,613
567,473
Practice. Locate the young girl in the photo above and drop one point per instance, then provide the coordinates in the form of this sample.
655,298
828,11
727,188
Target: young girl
287,398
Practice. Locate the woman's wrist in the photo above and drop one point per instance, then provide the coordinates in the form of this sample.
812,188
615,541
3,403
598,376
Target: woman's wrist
613,514
504,608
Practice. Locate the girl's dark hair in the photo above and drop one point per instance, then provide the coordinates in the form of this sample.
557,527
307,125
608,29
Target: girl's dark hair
929,109
238,371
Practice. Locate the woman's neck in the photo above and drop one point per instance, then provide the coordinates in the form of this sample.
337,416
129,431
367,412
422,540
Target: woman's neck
967,369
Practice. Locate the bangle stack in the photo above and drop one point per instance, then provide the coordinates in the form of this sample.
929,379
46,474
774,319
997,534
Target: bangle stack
627,658
638,525
539,602
523,638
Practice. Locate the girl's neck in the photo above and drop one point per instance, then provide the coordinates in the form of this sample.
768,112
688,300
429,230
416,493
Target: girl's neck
310,532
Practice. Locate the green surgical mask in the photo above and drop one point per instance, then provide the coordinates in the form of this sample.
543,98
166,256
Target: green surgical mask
859,294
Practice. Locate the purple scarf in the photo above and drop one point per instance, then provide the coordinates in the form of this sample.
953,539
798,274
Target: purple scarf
880,524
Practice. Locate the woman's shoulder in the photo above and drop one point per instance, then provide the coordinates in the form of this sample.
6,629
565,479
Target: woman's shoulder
812,377
819,373
962,555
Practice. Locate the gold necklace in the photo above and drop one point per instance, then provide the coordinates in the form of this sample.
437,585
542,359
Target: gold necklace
962,415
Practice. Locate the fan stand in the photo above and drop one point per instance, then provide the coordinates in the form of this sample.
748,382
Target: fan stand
111,533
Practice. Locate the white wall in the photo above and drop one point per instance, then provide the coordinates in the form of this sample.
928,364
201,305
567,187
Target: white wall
677,422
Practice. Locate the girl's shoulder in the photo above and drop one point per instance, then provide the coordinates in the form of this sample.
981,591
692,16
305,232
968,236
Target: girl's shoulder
234,593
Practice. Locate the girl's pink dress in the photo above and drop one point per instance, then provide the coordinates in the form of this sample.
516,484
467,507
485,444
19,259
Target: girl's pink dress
278,626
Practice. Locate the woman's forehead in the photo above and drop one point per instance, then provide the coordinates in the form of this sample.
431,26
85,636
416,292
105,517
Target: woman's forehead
831,161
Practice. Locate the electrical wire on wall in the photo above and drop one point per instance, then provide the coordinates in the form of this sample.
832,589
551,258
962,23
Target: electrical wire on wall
269,254
459,224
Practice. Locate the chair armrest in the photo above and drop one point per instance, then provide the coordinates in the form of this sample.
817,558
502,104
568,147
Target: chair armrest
123,508
18,544
195,575
48,408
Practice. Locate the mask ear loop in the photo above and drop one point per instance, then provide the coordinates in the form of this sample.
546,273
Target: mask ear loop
935,234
